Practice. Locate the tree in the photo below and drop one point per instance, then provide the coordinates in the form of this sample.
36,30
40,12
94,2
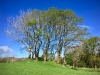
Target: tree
76,52
68,31
91,51
21,29
48,30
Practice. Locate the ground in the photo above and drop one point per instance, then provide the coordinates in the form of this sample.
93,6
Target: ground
39,68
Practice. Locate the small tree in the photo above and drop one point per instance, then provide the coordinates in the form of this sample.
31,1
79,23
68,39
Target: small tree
76,52
91,50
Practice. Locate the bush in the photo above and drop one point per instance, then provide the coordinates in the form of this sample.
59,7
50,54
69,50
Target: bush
41,59
82,64
3,60
69,59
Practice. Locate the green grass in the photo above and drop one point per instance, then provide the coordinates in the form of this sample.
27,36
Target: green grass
39,68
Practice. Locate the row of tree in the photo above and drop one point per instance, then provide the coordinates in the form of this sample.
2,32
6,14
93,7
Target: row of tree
86,55
51,31
91,49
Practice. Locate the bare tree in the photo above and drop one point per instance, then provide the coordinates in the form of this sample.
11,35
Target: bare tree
21,29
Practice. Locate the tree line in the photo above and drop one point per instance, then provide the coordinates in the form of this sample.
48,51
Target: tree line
86,55
53,31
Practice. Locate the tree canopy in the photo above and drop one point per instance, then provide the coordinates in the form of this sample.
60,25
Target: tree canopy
52,30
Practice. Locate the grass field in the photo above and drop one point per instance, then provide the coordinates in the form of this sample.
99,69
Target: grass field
39,68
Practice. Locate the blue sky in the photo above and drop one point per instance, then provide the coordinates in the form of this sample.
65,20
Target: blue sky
88,9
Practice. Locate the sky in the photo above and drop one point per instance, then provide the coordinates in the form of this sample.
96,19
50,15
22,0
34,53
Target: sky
89,10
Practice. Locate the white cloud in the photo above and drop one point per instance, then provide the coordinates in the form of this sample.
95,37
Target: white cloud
5,49
85,26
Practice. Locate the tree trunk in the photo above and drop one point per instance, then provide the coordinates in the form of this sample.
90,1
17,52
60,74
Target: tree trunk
64,63
36,56
29,54
45,56
95,67
35,52
32,55
46,51
59,58
59,54
73,66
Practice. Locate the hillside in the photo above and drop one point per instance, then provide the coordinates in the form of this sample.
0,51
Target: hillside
39,68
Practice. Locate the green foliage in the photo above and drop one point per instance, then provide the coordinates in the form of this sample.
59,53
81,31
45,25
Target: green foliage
91,44
39,30
69,59
82,64
33,22
97,62
3,60
91,51
46,36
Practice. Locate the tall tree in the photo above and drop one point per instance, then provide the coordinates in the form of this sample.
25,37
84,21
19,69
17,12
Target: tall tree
21,29
48,30
91,50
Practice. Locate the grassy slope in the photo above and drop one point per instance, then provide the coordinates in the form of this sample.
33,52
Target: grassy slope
39,68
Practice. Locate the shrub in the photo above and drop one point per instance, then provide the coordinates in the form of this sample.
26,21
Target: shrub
3,60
